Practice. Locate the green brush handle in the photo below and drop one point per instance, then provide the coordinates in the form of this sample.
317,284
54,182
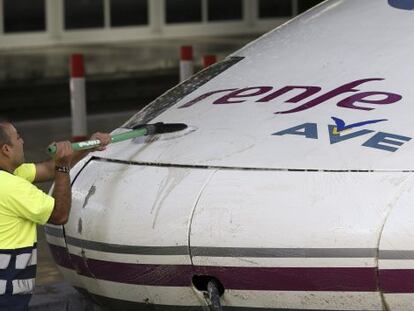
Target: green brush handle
90,144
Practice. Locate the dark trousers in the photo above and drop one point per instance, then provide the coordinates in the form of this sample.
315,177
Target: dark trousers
14,302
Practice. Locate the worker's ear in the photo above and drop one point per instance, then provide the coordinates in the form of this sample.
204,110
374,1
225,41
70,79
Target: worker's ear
5,149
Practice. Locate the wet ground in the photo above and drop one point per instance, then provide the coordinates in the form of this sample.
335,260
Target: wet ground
119,76
37,135
112,59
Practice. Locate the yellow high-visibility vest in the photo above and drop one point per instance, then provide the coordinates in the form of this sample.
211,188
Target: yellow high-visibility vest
22,206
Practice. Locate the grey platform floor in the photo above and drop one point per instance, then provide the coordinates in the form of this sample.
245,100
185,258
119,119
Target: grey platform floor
60,297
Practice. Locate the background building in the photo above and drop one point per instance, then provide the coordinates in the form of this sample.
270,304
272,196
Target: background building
57,22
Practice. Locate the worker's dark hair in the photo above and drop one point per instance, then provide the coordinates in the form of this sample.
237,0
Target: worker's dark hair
4,137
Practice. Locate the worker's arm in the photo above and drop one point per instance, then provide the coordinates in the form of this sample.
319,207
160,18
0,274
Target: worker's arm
45,171
62,189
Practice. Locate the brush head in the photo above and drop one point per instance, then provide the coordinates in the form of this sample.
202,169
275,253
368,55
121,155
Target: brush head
161,128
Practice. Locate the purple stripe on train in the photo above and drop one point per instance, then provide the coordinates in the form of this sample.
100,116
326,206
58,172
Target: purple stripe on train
397,281
241,278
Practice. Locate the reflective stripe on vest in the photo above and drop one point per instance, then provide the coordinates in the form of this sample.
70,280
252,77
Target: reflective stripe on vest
26,260
23,287
3,284
4,260
18,276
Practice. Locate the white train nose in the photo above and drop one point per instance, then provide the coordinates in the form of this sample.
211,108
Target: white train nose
133,239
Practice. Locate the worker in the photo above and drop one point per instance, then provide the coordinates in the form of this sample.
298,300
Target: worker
23,206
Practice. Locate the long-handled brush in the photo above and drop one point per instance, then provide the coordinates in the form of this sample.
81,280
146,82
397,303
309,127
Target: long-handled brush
139,130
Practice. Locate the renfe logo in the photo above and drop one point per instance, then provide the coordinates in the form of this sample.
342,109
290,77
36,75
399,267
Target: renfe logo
266,94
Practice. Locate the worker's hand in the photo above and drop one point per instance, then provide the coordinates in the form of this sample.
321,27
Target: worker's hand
105,139
64,153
